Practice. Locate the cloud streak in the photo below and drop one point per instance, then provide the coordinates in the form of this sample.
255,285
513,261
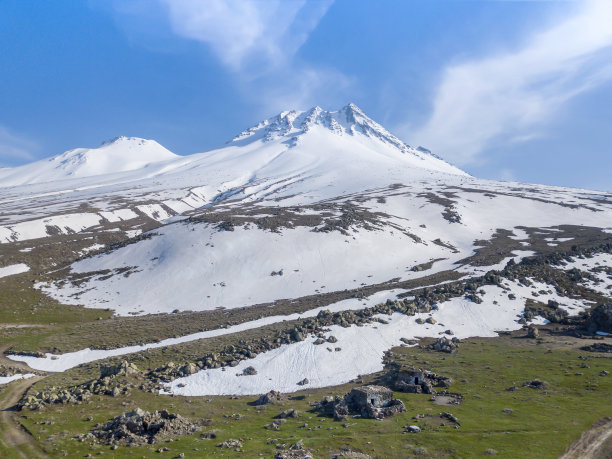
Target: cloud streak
14,148
255,41
511,96
247,35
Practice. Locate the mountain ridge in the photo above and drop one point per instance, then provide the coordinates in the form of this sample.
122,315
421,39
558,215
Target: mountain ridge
348,133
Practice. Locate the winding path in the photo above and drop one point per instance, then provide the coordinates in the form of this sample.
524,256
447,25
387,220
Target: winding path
13,435
593,443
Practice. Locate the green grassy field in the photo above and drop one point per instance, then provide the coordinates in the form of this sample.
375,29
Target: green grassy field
542,423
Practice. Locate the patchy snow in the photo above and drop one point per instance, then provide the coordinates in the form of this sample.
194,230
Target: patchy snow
57,224
8,379
480,270
13,269
133,233
154,211
362,350
519,234
119,215
63,362
558,239
591,265
91,248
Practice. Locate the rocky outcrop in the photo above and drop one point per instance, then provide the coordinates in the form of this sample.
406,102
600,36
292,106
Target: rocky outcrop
140,427
600,319
123,368
445,345
415,381
370,402
271,397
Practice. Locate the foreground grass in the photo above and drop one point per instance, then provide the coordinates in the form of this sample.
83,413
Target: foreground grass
542,423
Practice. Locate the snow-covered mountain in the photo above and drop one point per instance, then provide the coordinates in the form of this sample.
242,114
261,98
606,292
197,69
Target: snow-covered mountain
315,139
302,212
305,192
117,155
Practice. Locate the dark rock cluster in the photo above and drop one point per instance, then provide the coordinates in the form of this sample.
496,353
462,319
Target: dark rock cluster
139,427
370,402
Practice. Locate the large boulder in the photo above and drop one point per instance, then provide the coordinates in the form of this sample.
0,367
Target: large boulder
600,318
370,402
123,368
271,397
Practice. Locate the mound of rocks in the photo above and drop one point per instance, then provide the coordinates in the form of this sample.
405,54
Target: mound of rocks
370,402
114,380
415,381
536,384
295,451
532,331
139,427
445,344
121,369
271,397
550,311
598,347
600,319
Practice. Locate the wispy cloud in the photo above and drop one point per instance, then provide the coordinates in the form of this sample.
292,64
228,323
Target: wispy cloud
256,41
511,96
15,149
248,35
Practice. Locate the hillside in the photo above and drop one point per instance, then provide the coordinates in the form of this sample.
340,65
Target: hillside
300,256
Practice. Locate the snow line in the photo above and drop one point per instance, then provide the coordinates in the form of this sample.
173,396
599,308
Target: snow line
360,350
63,362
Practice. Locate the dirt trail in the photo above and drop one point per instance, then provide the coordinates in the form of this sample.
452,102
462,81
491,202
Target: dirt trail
12,434
594,443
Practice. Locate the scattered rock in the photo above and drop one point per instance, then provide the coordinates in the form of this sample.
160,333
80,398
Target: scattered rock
348,454
248,371
536,384
231,443
290,413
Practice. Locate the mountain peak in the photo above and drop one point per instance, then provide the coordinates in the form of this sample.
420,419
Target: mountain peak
122,139
120,154
349,120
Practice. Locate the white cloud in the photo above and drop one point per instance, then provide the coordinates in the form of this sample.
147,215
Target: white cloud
257,41
247,35
14,148
511,96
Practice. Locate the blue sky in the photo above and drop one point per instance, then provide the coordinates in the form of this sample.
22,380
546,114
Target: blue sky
517,90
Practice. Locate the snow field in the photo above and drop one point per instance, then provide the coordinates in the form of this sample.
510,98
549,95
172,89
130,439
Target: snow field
63,362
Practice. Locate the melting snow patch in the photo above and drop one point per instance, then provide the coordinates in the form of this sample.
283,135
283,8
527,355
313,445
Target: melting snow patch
63,362
14,269
361,350
119,215
8,379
